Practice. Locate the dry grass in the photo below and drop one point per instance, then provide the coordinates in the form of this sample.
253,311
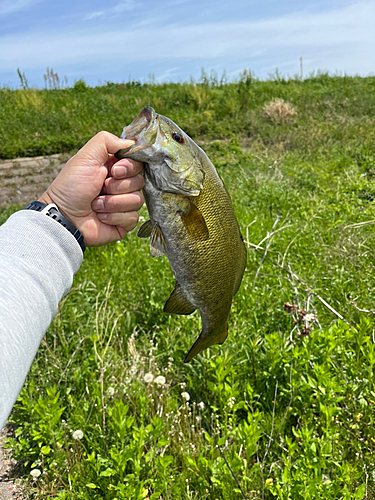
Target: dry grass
278,110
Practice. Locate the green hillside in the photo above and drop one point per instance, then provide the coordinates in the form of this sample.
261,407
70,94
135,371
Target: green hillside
290,396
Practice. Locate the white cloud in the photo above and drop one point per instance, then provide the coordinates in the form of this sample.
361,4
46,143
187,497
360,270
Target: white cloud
93,15
122,6
343,35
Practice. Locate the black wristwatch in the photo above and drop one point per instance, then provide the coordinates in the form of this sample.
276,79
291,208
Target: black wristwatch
53,212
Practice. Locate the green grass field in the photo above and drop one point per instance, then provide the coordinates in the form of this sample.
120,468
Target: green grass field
289,397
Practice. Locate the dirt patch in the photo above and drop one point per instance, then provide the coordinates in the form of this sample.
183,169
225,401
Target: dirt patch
25,179
10,487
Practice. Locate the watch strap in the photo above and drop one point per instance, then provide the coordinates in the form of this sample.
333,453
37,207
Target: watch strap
53,212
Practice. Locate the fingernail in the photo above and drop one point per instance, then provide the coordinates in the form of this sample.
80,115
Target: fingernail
98,204
120,171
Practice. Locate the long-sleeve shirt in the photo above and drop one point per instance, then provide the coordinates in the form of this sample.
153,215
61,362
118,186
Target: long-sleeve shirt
38,259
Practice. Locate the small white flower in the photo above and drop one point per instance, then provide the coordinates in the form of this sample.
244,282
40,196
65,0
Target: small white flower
35,473
77,435
185,396
160,380
148,378
309,317
231,401
201,405
111,391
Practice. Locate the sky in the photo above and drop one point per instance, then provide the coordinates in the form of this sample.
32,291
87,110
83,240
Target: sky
172,40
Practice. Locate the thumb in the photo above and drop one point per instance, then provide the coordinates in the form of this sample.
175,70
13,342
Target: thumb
101,145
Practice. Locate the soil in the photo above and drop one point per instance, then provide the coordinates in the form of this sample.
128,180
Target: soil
10,487
23,180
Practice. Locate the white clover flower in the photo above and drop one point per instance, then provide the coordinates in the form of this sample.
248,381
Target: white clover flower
160,380
111,391
201,405
148,378
185,396
77,435
35,473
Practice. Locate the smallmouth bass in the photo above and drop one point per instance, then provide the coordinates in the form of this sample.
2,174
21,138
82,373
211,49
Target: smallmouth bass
192,221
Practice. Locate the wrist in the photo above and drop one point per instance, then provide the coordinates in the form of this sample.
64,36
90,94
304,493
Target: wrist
51,210
46,199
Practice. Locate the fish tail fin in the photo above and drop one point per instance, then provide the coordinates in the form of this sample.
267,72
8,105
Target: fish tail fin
205,340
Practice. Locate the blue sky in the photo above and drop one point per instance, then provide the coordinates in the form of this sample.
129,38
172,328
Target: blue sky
118,40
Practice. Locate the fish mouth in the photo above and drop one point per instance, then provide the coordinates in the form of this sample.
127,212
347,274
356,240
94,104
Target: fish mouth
143,130
142,123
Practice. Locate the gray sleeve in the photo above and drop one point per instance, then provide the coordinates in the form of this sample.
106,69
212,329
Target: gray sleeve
38,259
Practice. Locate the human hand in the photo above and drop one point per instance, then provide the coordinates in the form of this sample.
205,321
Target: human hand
97,193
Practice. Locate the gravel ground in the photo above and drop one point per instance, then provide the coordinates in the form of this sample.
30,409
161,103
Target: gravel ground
10,487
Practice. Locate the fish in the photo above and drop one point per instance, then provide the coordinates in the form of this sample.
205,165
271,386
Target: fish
192,222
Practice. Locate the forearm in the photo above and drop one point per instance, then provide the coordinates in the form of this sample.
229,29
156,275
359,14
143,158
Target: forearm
38,259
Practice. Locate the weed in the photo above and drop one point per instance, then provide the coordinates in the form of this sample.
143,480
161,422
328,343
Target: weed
52,80
278,110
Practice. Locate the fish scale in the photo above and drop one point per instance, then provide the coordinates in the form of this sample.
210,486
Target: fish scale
192,221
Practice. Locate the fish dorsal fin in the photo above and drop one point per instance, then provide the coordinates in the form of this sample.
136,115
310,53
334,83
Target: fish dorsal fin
157,243
194,222
204,340
178,303
145,230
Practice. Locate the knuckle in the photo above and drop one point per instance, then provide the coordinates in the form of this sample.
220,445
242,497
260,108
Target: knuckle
102,135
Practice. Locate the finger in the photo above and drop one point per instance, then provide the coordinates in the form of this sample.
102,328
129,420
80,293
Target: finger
113,143
126,168
101,145
128,220
123,186
118,203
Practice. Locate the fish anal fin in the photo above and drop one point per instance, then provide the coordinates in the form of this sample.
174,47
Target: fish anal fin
194,223
178,303
145,230
157,243
205,340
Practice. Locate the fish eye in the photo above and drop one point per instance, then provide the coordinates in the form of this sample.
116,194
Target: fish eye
177,137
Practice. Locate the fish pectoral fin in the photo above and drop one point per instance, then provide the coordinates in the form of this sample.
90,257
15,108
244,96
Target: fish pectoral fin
241,266
194,223
157,243
203,341
178,303
145,230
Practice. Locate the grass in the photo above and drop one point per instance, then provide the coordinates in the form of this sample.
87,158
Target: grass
289,397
